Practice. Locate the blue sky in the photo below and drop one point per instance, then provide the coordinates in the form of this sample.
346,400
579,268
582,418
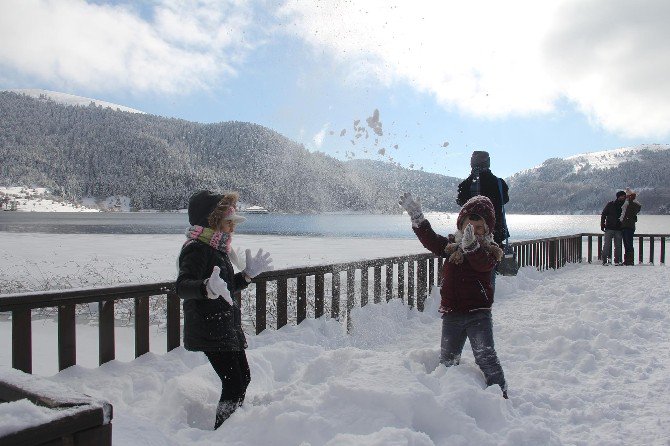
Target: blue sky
525,80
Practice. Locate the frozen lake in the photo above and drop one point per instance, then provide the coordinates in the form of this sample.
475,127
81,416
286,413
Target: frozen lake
522,227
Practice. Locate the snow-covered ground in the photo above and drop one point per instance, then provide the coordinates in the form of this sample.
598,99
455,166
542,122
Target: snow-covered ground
34,200
585,349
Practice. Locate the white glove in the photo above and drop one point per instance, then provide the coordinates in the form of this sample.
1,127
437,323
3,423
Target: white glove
236,258
257,264
216,286
413,208
469,241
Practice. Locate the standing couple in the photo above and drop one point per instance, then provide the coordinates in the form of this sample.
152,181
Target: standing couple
617,220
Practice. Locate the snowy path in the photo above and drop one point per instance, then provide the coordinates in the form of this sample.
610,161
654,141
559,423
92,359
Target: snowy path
585,349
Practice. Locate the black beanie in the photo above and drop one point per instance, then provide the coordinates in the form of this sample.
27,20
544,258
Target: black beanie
480,159
200,205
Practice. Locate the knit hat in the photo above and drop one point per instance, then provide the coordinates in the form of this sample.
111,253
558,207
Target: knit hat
200,205
480,205
480,159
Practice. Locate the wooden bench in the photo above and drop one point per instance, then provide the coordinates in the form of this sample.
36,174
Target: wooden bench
69,418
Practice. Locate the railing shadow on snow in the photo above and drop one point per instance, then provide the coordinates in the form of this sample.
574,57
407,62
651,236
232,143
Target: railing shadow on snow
332,290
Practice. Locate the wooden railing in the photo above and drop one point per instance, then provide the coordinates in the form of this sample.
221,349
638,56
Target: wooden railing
644,244
549,253
334,290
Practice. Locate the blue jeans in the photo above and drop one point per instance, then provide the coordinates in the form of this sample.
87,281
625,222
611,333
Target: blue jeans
478,328
607,246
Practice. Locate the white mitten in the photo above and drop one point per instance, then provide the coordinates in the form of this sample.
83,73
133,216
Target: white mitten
413,208
257,264
469,242
216,286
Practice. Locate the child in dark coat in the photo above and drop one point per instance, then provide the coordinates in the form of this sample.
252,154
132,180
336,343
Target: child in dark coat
206,282
466,289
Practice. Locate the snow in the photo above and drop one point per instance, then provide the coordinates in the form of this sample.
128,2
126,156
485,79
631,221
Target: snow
33,200
70,99
23,414
611,158
585,350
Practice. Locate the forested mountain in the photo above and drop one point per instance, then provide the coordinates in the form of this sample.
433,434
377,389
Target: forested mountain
94,151
157,162
585,183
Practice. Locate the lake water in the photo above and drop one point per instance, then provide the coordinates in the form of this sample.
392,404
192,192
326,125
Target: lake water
522,227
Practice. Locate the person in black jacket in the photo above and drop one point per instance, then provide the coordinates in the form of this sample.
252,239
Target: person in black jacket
206,281
482,182
610,223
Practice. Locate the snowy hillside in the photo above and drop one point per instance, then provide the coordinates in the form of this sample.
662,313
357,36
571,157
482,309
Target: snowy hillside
582,184
608,159
70,99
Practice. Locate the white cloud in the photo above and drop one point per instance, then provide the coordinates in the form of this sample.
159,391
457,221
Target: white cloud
495,59
479,56
612,59
70,43
321,134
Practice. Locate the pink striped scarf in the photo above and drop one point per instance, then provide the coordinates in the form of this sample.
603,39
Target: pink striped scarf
217,240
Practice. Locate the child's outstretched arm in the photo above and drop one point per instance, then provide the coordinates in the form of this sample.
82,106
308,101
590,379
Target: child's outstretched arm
429,239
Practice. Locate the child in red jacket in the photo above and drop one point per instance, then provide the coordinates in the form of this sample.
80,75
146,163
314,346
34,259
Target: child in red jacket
466,289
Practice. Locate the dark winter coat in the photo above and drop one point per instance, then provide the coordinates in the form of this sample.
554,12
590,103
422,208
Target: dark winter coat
609,218
630,216
466,286
209,324
488,188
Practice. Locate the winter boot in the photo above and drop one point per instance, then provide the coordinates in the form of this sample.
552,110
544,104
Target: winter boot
629,258
224,410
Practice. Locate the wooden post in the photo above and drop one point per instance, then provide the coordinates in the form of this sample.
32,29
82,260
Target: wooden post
173,321
318,295
22,344
401,280
282,302
640,250
590,248
302,299
141,326
421,288
662,250
261,305
377,284
351,295
67,338
552,254
389,281
106,346
335,300
651,250
410,284
365,273
431,273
